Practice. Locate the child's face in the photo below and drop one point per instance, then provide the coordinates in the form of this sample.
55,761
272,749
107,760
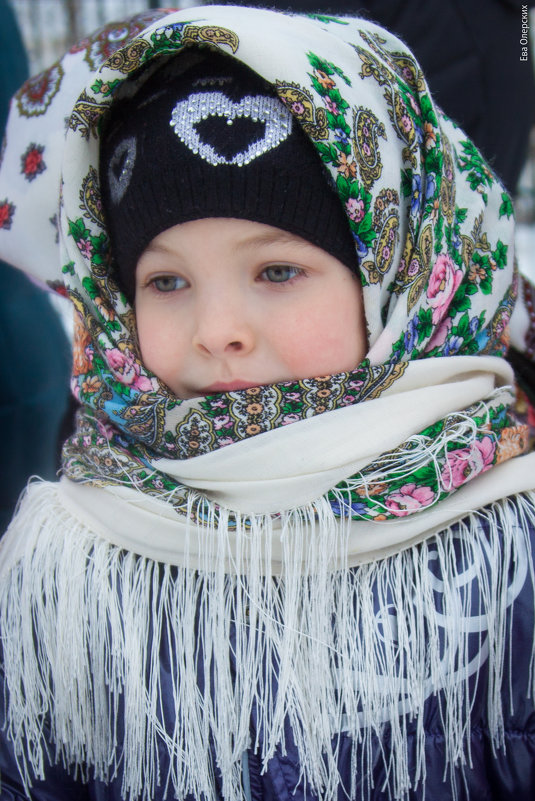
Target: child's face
225,304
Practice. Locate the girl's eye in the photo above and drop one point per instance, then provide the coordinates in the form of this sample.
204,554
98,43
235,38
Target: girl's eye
280,273
168,283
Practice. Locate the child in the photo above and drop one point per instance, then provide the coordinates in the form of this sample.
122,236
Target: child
291,551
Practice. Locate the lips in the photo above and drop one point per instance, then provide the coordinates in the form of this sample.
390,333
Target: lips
231,386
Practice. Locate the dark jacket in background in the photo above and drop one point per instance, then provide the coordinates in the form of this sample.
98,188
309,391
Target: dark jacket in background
489,774
35,357
470,53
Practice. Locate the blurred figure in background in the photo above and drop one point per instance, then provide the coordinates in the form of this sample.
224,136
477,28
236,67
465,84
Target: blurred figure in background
470,55
35,354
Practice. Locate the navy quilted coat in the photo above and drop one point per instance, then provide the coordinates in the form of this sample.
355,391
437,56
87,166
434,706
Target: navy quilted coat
490,775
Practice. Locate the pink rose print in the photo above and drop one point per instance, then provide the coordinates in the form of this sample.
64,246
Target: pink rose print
355,209
75,387
440,335
443,284
222,421
89,353
414,104
105,429
331,105
289,418
127,370
466,463
85,247
406,123
413,268
409,499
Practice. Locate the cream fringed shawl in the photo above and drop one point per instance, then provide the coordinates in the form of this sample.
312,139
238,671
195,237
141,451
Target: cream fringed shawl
83,622
105,575
288,520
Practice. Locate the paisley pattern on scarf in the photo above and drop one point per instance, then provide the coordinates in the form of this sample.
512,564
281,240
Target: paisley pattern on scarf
432,225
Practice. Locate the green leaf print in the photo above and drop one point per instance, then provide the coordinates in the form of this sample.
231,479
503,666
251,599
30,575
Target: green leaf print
100,249
326,18
105,88
461,301
343,188
329,154
90,287
425,328
506,208
78,229
500,254
462,329
428,112
406,183
478,174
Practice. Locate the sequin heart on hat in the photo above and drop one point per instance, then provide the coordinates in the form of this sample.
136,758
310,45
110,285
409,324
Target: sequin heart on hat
188,113
121,167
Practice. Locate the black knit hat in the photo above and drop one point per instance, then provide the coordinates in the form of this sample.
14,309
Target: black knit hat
205,136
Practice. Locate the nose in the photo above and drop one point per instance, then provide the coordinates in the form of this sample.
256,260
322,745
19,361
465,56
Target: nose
223,330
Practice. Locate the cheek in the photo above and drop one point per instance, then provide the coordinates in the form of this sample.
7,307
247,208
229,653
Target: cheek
328,337
160,347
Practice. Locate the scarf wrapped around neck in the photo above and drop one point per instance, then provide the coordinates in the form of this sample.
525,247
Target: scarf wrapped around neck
300,478
433,230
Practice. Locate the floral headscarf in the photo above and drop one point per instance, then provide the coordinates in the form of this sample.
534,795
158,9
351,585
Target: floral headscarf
433,230
240,604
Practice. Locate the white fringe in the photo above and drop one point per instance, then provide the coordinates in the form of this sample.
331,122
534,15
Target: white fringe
82,623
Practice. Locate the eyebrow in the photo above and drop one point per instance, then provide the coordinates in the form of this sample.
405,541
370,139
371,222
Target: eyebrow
256,240
152,248
272,238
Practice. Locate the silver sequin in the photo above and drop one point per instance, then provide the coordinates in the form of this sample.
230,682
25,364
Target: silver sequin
187,113
125,157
